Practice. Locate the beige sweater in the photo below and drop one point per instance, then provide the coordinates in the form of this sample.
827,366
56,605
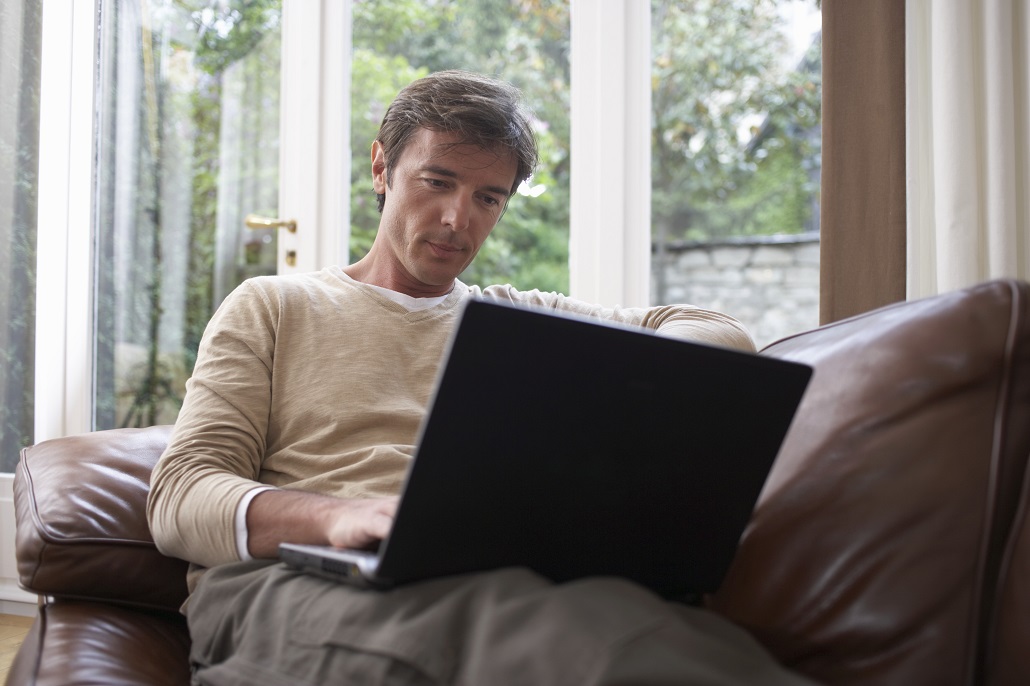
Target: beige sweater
318,382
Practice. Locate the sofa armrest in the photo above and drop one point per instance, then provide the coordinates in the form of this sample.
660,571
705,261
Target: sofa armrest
82,532
82,642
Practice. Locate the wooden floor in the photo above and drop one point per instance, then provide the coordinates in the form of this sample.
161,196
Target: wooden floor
12,632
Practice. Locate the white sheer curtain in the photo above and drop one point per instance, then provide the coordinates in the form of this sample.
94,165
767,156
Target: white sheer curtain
968,142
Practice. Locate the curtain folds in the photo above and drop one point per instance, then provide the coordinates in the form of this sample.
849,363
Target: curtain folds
968,143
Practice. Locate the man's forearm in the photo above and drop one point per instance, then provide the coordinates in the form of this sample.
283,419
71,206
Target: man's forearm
279,516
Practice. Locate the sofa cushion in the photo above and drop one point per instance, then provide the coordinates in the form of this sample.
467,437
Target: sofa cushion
82,531
874,553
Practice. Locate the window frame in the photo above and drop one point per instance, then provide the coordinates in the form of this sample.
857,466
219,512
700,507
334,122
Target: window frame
64,271
610,153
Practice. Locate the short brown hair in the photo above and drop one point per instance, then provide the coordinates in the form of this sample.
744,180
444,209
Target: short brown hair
483,111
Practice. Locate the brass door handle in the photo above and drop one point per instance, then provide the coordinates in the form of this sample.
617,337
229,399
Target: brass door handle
254,221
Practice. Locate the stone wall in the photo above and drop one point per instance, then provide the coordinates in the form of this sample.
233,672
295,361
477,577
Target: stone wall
769,283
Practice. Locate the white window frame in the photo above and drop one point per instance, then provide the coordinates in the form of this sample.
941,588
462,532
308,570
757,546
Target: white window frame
610,194
64,386
314,171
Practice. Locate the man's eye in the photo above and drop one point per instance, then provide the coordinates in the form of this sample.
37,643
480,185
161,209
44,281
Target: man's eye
436,183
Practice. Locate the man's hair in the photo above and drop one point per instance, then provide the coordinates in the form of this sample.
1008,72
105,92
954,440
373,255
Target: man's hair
482,111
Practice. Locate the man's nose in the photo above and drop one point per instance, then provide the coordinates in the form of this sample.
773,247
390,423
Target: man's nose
456,212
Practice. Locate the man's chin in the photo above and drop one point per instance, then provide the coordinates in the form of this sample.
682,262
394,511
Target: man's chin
437,281
441,273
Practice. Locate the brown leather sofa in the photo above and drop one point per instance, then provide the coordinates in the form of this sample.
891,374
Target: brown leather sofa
890,546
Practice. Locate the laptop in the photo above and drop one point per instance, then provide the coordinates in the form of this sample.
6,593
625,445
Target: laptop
580,448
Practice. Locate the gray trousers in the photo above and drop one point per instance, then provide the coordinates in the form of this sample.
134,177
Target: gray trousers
259,623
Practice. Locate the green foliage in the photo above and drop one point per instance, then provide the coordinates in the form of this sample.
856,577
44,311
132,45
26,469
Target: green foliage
716,74
224,34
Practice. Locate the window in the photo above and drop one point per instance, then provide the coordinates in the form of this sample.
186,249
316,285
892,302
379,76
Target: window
20,49
735,159
188,136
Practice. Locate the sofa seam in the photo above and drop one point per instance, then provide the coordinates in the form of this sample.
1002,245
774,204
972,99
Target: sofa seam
1019,516
36,519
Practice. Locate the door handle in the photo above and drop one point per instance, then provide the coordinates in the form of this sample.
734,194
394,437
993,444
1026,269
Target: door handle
254,221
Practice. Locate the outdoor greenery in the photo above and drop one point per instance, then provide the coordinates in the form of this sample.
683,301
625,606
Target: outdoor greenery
735,144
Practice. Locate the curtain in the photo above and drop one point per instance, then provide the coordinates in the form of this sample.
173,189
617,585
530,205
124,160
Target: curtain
862,243
968,142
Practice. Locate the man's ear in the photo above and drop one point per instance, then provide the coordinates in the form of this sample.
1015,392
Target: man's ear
378,168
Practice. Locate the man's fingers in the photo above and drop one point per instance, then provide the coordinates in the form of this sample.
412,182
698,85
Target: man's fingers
387,506
381,525
363,522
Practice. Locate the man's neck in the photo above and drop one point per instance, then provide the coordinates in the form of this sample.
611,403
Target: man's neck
364,270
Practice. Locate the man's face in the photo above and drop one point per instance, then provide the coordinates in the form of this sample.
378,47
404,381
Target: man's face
443,201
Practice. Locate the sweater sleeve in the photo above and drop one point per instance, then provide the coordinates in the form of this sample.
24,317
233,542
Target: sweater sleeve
214,456
676,321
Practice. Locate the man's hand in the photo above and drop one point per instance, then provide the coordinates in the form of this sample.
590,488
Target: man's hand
360,522
276,517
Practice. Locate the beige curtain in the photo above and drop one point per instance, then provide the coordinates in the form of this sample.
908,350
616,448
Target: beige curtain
968,142
863,179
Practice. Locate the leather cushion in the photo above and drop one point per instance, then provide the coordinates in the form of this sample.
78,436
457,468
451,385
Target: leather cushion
874,552
82,531
74,642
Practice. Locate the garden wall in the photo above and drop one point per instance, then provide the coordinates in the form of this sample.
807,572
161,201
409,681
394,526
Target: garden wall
770,283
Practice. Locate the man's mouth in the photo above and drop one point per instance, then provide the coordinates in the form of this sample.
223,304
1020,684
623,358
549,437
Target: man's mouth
444,249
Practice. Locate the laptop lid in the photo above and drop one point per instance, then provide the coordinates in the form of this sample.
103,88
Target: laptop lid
580,448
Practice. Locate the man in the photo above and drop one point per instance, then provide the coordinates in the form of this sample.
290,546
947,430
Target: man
299,424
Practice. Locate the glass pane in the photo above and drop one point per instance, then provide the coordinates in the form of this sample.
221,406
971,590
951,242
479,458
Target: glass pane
20,42
735,159
526,43
188,146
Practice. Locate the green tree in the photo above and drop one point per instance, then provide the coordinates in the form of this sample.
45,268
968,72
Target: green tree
732,131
